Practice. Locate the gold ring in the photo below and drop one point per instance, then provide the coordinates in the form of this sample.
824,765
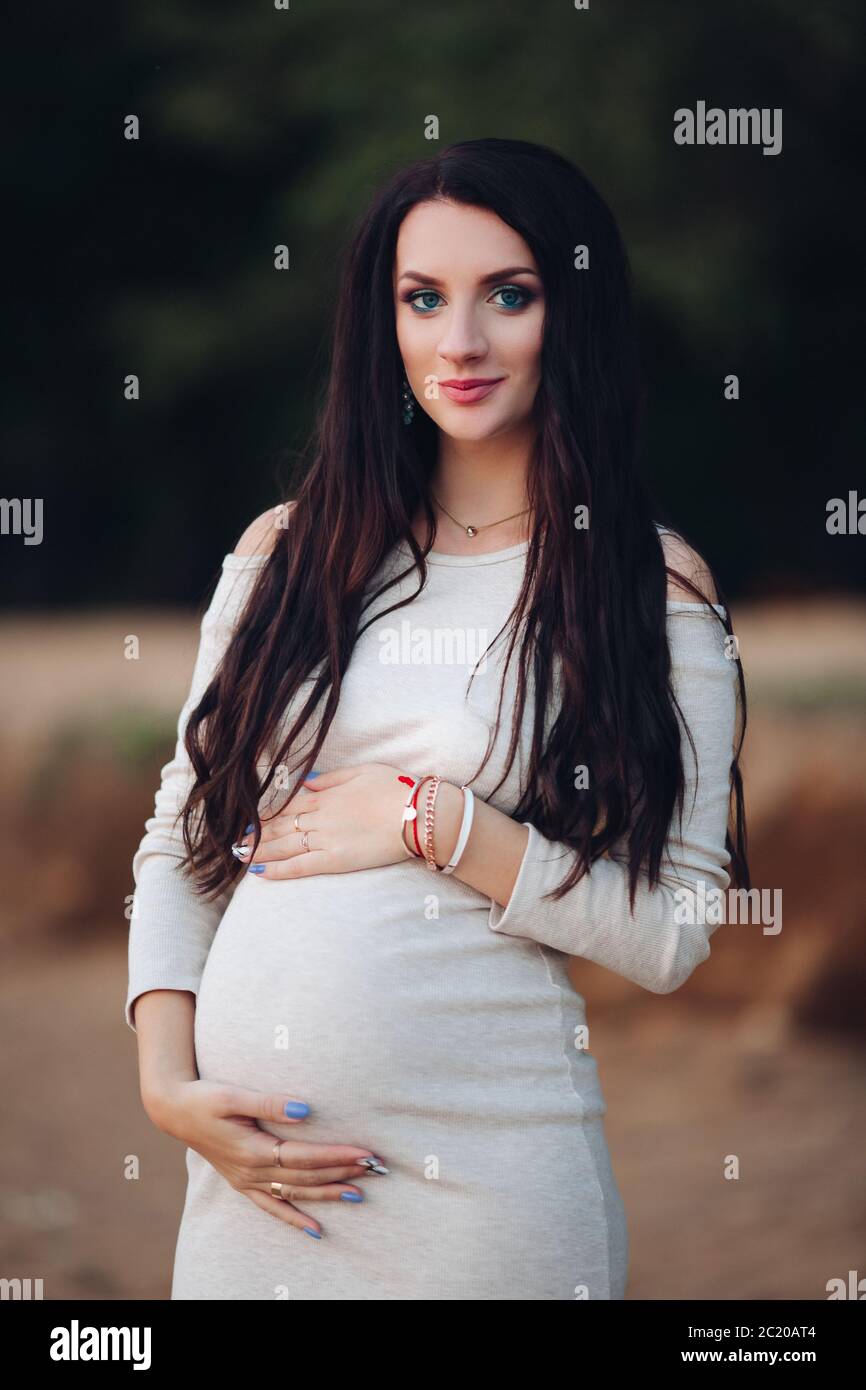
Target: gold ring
277,1191
277,1162
297,818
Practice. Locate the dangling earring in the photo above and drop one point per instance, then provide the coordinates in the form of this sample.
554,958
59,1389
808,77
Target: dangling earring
408,402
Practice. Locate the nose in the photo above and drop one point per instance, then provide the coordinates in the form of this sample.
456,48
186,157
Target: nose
462,339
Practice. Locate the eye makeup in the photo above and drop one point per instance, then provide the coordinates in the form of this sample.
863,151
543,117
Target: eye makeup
526,297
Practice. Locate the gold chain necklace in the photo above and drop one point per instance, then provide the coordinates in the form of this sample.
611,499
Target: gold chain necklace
473,530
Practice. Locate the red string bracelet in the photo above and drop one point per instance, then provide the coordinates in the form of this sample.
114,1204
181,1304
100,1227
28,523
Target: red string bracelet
413,802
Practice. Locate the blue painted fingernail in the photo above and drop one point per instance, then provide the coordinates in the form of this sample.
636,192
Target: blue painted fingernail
249,828
351,1197
310,775
374,1164
295,1108
310,1232
256,869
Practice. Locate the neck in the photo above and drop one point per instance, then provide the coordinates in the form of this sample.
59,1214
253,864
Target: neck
479,482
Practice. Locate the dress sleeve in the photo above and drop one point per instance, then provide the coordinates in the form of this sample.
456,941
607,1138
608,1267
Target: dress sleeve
668,935
171,928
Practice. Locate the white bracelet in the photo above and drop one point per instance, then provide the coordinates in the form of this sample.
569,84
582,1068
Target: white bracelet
465,827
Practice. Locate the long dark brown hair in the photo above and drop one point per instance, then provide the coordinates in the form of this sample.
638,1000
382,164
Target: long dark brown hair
592,602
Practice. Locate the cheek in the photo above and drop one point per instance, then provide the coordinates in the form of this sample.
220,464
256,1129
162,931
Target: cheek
519,348
413,343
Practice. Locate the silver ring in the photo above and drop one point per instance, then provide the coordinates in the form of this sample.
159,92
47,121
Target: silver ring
277,1162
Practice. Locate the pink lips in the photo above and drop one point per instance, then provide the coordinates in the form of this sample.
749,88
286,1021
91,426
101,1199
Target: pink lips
471,389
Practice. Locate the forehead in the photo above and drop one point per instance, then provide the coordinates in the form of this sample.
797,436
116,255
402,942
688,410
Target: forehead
441,238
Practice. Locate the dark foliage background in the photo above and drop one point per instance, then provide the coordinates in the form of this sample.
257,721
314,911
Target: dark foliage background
262,126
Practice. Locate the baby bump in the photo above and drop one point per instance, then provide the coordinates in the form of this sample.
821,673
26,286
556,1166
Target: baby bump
364,991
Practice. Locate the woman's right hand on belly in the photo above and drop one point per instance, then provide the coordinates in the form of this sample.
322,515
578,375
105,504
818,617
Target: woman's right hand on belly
220,1123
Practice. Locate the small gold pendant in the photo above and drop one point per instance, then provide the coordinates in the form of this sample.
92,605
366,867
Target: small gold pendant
471,531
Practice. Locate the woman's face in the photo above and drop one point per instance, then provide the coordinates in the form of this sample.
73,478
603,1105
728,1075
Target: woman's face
469,308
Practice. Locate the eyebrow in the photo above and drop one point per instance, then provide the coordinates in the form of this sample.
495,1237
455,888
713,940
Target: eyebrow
505,274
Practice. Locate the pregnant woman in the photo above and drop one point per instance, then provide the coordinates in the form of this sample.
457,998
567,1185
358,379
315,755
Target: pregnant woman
517,695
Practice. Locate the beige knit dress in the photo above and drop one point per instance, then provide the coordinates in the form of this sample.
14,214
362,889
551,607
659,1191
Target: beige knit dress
411,1013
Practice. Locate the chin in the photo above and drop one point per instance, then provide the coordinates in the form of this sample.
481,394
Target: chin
463,423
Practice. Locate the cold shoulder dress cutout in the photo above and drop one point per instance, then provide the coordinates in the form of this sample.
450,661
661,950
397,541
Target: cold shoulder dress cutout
412,1014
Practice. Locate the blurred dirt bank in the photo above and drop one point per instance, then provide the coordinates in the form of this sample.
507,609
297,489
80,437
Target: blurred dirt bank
762,1054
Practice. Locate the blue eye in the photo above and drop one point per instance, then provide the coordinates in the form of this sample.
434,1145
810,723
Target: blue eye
525,296
424,294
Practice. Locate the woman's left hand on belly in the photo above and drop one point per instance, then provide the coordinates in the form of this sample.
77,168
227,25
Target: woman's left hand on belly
352,818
